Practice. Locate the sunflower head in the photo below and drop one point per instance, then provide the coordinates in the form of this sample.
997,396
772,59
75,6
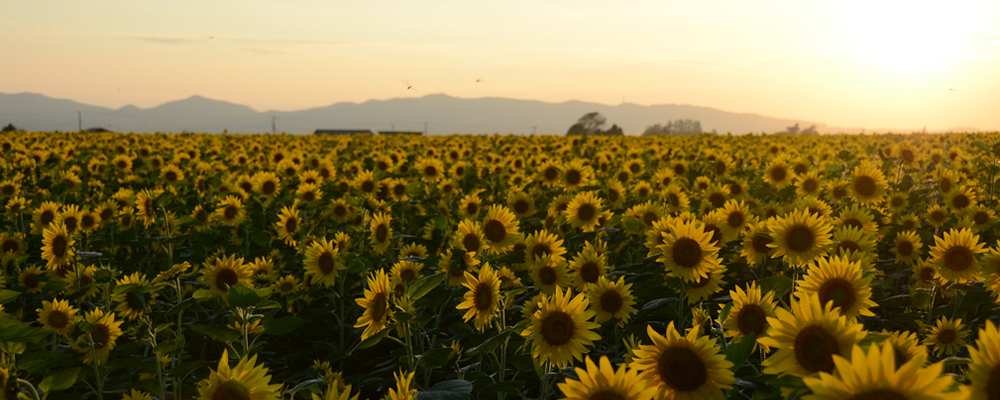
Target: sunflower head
688,366
561,329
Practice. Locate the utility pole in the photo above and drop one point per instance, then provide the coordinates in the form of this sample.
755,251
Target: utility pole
274,126
79,120
425,128
533,129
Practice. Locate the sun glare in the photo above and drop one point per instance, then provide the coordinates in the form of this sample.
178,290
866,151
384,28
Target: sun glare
911,37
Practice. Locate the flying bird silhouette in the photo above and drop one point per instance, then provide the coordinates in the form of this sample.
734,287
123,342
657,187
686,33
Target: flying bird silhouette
479,80
408,85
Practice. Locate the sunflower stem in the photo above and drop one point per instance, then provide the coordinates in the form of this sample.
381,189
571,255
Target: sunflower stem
34,392
97,370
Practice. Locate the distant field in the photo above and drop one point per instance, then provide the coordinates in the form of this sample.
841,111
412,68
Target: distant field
451,267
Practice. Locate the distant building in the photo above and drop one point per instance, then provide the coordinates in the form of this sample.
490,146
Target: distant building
390,133
97,130
343,132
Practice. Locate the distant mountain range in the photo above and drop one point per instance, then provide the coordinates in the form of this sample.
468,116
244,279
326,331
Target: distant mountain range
437,113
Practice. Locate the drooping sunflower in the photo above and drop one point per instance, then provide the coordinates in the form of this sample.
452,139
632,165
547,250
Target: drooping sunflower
905,346
222,273
799,237
403,390
247,381
868,184
585,211
230,211
808,337
381,232
323,263
683,367
483,298
287,225
687,252
378,309
875,375
455,264
755,244
57,316
500,228
838,280
612,300
954,255
102,339
946,336
561,329
57,245
704,287
146,205
81,280
604,382
749,313
984,371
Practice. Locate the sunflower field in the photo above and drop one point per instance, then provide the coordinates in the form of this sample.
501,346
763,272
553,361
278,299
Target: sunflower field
201,266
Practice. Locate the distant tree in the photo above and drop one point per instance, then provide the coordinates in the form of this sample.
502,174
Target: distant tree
810,130
675,127
9,128
588,124
614,130
793,130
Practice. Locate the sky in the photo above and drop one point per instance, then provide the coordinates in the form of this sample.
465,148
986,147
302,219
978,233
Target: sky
875,64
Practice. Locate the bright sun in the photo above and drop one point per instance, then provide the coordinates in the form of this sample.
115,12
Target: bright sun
911,36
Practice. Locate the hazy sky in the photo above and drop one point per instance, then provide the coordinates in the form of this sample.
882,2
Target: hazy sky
890,64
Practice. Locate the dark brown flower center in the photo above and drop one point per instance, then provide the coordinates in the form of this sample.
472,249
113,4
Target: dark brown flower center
225,279
573,177
471,242
378,307
230,212
947,336
993,384
521,206
681,369
840,292
865,186
958,258
735,219
810,185
10,246
800,239
472,208
904,248
381,233
717,199
590,271
58,319
291,225
495,231
326,262
59,246
269,187
778,173
586,212
751,318
815,348
687,252
558,328
547,275
760,242
611,301
484,296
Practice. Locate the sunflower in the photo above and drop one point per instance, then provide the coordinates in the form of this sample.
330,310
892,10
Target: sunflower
431,169
647,213
735,217
469,237
907,247
588,266
137,395
703,287
57,245
876,375
341,210
809,184
171,174
322,263
542,244
808,337
247,381
585,211
947,336
612,300
230,211
549,174
838,280
11,246
954,255
222,273
16,206
145,202
483,298
365,183
456,268
549,273
287,225
937,216
381,232
616,194
714,197
777,173
469,206
134,302
687,253
89,221
126,218
980,218
749,312
855,245
378,310
413,250
70,217
575,175
57,316
287,285
984,371
755,244
683,367
677,200
402,391
857,217
31,278
560,328
102,338
868,184
81,280
905,346
521,204
266,183
654,235
799,237
500,228
604,382
959,200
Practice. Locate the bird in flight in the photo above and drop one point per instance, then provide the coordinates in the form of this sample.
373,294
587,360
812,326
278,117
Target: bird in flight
951,89
479,80
408,85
